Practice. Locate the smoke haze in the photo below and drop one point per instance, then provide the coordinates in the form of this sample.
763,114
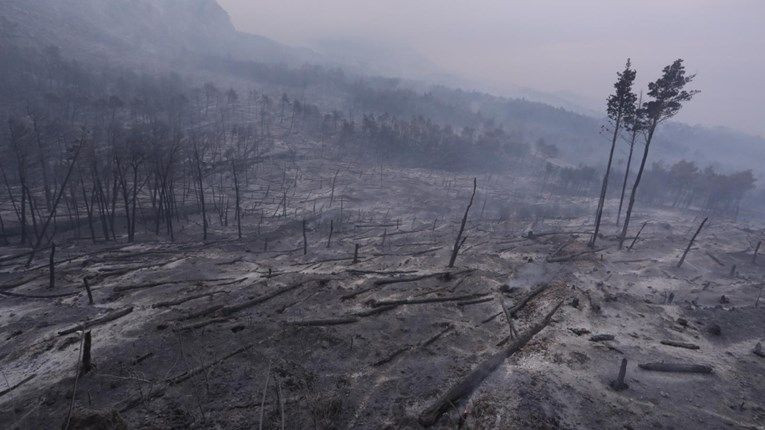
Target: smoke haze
567,49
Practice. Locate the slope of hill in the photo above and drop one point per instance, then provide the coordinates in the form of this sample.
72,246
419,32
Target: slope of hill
125,30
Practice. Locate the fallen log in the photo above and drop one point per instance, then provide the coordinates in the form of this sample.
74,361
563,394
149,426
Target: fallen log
141,397
685,345
203,312
491,318
20,282
421,277
637,260
184,299
325,322
381,282
375,311
676,367
379,303
525,299
123,288
716,260
201,324
17,385
406,348
37,296
407,254
379,272
98,321
228,310
392,357
571,257
475,302
532,235
472,380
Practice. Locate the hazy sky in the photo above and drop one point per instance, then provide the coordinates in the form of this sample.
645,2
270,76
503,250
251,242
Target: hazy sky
573,46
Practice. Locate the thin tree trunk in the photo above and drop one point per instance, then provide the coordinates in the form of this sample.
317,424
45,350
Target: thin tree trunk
201,192
604,187
460,241
305,240
633,194
55,202
238,205
754,256
626,176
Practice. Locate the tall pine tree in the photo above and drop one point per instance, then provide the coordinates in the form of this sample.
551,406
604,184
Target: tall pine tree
667,95
621,111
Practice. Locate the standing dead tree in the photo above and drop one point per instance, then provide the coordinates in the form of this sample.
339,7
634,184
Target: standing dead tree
688,248
56,201
198,156
238,203
305,240
621,109
52,265
460,240
331,230
756,250
332,193
636,126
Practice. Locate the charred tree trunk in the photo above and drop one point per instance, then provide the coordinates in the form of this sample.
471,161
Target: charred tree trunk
604,186
634,241
688,248
198,163
633,194
756,250
238,203
55,202
459,241
305,240
626,175
52,266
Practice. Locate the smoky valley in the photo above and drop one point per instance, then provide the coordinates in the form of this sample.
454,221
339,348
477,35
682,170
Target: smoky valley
205,228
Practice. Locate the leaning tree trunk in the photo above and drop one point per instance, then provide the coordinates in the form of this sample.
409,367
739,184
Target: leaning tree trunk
633,194
604,187
460,241
55,203
626,176
690,244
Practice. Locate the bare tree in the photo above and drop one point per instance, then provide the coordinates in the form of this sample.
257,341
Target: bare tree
460,240
635,127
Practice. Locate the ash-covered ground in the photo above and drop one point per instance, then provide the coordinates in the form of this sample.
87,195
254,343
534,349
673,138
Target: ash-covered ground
255,333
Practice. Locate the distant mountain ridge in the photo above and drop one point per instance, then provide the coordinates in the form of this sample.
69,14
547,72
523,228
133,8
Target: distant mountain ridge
126,30
150,35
